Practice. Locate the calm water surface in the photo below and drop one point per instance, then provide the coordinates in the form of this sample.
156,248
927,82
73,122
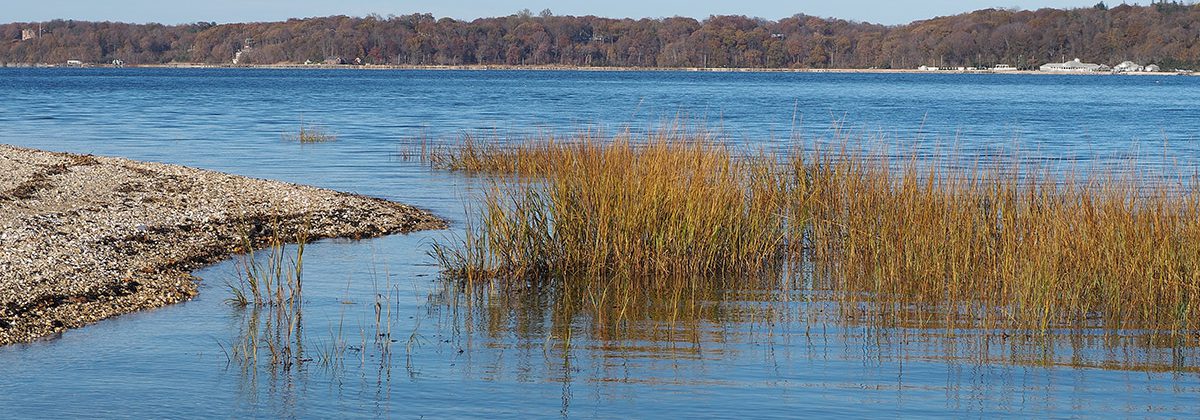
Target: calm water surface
460,356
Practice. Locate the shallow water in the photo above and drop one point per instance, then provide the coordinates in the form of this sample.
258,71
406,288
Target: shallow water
452,358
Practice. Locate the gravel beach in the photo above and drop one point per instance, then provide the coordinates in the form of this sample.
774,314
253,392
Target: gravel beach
84,238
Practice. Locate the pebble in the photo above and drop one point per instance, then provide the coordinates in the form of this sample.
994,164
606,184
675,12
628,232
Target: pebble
78,245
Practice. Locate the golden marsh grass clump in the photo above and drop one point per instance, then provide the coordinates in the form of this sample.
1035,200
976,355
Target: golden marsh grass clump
1014,249
988,249
644,212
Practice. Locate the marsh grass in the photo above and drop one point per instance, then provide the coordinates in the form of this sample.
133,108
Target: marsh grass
269,291
268,295
276,279
476,156
310,134
610,221
655,212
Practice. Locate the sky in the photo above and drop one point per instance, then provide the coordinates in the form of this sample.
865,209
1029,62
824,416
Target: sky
888,12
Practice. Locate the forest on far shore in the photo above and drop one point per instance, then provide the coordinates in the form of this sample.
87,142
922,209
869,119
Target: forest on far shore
1164,33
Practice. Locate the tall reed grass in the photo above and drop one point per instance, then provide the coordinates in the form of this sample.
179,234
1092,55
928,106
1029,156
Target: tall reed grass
619,219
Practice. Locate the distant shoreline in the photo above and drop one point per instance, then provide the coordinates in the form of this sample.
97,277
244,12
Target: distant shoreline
477,67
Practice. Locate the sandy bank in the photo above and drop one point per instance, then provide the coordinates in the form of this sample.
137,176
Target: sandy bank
84,238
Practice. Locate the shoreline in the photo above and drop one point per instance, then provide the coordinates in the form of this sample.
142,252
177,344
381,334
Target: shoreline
498,67
84,238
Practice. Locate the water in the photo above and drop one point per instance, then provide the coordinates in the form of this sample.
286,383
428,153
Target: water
453,358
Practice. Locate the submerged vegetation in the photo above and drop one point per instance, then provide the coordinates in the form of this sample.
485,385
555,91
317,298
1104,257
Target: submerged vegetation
615,222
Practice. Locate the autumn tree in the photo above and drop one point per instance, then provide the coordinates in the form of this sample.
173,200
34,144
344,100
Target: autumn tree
1165,32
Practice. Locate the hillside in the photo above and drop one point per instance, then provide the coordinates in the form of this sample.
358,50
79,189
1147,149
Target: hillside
1163,33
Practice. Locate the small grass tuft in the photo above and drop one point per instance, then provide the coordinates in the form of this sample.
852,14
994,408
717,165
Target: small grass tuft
271,288
310,134
272,281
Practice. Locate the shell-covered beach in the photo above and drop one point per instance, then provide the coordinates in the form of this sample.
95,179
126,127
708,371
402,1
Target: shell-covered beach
85,237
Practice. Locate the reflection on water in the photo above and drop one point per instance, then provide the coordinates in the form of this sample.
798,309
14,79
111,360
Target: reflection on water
556,336
709,325
278,333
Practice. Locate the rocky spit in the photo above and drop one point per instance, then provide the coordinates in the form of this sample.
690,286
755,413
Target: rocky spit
84,238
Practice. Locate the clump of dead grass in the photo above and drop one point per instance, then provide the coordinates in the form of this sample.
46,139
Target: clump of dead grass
620,219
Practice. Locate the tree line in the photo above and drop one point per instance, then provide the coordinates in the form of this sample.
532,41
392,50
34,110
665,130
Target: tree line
1166,33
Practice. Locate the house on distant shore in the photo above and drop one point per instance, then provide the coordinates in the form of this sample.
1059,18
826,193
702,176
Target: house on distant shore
28,34
247,46
1127,66
1131,67
1073,66
75,63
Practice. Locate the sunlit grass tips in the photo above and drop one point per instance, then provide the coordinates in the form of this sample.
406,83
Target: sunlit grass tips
1012,249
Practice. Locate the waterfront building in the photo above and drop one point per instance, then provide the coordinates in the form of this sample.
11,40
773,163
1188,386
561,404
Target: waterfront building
1073,66
1127,66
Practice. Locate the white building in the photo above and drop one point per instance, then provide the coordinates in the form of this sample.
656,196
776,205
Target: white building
1127,66
1004,68
1073,66
1131,67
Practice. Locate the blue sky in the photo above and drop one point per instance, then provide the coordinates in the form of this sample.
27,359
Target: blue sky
170,11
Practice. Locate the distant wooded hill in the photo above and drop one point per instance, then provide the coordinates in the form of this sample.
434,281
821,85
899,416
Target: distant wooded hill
1165,33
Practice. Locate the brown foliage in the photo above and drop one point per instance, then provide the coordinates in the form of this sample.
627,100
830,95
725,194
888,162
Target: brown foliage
1163,33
